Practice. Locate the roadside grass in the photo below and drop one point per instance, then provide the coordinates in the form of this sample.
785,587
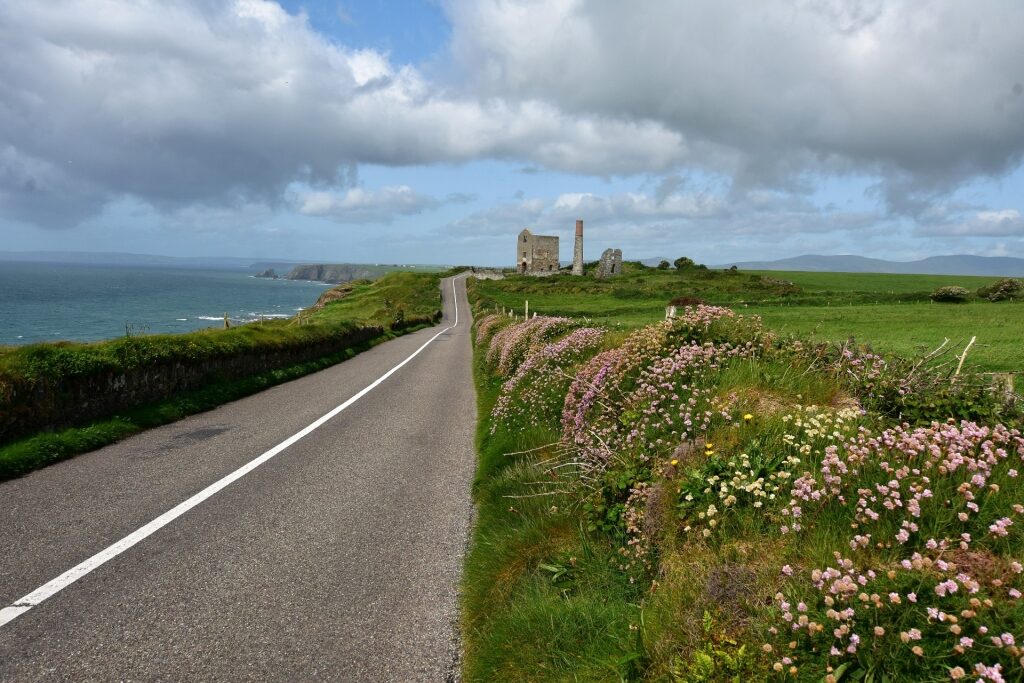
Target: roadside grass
26,455
396,304
682,555
541,599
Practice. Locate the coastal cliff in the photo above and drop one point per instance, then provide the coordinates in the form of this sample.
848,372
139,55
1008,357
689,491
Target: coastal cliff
334,273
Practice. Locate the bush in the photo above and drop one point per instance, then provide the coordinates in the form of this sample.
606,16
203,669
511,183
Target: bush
663,265
951,294
1006,289
684,263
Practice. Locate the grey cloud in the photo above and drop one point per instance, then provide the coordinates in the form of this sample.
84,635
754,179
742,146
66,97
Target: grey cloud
921,95
195,102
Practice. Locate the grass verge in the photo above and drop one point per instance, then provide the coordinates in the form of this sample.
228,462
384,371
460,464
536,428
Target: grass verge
40,450
541,598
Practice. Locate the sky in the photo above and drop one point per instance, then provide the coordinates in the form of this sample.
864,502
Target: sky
433,131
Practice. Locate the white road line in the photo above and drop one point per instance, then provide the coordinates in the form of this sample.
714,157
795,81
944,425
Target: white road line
58,584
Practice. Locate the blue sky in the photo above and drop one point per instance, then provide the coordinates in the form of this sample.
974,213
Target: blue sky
434,131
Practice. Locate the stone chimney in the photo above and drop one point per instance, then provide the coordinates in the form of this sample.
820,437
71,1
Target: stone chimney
577,251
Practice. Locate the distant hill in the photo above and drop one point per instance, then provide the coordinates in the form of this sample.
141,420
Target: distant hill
959,264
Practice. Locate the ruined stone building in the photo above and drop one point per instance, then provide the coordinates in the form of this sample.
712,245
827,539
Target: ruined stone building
610,263
536,254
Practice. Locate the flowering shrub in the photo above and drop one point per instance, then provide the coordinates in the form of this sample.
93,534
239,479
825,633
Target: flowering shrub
489,325
510,346
927,587
631,408
1003,290
539,400
951,294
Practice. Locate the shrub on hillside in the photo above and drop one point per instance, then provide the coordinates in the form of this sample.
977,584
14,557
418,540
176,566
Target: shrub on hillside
663,265
951,294
1006,289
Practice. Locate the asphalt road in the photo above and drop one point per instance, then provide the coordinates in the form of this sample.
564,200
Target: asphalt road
337,559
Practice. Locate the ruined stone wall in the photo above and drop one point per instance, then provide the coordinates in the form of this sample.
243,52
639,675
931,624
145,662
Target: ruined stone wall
610,263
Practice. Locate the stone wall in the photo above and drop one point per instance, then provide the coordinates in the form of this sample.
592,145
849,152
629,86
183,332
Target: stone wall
486,273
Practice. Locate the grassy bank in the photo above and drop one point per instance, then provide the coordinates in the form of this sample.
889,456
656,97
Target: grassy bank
541,597
709,501
58,400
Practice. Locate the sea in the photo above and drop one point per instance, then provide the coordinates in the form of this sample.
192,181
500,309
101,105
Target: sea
42,302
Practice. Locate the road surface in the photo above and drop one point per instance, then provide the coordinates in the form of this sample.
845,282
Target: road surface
337,558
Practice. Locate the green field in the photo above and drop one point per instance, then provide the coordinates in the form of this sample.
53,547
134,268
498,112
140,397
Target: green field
882,283
913,329
891,313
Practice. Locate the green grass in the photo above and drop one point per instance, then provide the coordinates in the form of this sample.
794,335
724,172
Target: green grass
410,295
891,313
541,599
913,329
880,283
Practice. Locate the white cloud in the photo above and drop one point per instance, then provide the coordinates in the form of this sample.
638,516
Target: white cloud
1001,223
359,205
